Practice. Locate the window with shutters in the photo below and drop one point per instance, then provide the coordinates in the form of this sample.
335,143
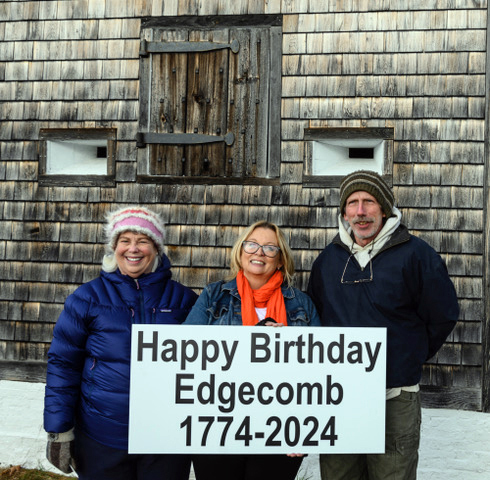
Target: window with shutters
210,99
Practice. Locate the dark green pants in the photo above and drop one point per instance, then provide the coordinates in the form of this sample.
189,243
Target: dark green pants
399,462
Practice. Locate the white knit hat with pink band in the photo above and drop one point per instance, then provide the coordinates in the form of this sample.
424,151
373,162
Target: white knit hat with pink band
135,219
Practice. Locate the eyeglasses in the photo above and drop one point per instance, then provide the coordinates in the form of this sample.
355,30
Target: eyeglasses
358,280
269,250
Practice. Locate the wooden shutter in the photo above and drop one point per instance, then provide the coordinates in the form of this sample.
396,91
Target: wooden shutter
207,100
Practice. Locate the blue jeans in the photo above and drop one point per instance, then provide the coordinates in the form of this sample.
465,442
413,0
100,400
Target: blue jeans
402,437
99,462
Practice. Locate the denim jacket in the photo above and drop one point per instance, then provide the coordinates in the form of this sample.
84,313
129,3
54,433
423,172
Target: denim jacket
220,304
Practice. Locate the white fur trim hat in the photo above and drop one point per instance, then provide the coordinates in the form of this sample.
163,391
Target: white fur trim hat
135,219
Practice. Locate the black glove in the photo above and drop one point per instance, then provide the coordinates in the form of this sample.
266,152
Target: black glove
59,451
262,323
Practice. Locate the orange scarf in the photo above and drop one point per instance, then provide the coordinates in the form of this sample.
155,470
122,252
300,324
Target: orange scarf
269,295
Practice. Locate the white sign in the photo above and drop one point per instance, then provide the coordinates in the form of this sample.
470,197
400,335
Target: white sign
235,389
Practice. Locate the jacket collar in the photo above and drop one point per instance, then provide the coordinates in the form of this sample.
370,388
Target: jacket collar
400,235
365,253
231,287
160,276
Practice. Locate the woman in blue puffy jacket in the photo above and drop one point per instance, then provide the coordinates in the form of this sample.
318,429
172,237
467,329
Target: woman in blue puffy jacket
86,410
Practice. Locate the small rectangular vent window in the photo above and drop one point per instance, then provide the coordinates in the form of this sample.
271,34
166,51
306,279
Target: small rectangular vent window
361,153
102,152
77,156
332,153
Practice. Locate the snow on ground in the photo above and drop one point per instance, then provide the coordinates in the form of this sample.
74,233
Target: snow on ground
455,443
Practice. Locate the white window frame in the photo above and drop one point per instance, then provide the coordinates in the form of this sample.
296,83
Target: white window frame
69,156
329,150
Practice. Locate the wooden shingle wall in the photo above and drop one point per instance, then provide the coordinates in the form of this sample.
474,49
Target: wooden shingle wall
415,65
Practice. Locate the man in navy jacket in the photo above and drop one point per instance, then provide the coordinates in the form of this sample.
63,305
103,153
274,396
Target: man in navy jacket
375,274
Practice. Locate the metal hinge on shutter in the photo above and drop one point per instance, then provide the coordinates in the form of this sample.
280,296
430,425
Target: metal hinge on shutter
143,138
147,47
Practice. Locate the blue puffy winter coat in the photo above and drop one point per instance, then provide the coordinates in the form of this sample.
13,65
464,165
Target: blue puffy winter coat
89,360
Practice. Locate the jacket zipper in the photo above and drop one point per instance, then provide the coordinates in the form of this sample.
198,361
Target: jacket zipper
91,375
141,301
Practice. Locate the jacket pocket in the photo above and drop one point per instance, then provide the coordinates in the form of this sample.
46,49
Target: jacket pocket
405,445
218,314
298,318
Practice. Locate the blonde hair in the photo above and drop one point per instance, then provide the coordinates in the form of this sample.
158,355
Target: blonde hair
286,255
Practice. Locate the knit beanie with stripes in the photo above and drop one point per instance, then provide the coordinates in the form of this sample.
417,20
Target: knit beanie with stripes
370,182
135,219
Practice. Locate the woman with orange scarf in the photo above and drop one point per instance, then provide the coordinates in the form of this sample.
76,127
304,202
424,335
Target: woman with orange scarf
259,291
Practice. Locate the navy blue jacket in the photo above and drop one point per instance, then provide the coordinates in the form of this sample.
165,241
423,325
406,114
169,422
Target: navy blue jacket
220,304
89,360
410,294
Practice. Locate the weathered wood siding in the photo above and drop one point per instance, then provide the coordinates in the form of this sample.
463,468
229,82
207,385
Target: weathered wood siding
417,66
